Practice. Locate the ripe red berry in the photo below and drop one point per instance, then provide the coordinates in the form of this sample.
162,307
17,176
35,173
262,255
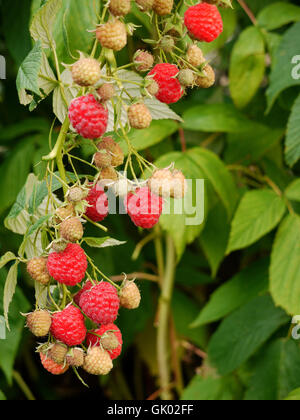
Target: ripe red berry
144,208
51,366
98,204
69,266
203,22
68,326
88,117
96,340
170,90
87,286
101,303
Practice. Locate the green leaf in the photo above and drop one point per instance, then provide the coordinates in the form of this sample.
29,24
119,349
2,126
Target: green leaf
278,14
9,346
276,372
211,388
103,242
216,226
258,213
243,332
247,66
236,292
292,142
22,128
9,289
215,118
2,396
43,20
28,74
39,223
293,190
6,258
283,69
285,265
63,95
294,395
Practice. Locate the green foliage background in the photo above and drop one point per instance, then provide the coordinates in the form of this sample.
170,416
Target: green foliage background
238,274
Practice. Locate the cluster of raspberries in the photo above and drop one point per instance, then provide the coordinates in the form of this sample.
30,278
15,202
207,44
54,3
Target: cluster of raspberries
167,82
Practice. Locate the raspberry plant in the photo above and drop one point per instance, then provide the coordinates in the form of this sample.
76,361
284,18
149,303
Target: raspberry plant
122,78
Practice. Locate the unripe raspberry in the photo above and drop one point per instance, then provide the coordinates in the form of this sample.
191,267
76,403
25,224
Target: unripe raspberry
37,268
195,56
167,44
161,182
39,322
109,337
106,92
86,72
76,194
75,357
163,7
208,79
97,362
58,353
109,341
130,297
51,366
115,150
121,188
143,60
139,116
153,88
112,35
71,229
186,77
102,159
109,174
119,7
179,187
63,213
145,5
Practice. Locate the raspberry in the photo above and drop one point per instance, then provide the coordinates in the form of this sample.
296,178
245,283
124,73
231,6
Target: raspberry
39,322
76,194
163,7
86,72
68,326
75,357
144,208
98,204
115,150
145,5
130,297
102,159
208,79
119,7
167,44
112,35
106,92
121,188
139,116
88,285
186,77
88,117
203,22
101,303
97,362
143,60
51,366
179,186
68,267
71,229
168,184
195,56
104,339
63,213
152,88
37,268
58,353
170,90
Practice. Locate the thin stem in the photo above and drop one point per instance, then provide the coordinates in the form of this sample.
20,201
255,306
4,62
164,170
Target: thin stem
23,386
138,276
248,11
141,245
163,320
159,254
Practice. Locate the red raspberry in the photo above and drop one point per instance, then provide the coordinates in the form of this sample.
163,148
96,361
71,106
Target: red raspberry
69,266
68,326
93,340
51,366
170,90
101,303
144,208
88,117
98,204
88,285
204,22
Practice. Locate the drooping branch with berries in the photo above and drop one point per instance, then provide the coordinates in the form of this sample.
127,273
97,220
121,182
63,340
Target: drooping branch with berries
98,102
